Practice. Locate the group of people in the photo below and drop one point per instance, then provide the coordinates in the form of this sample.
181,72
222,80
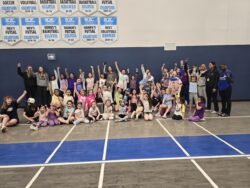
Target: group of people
68,98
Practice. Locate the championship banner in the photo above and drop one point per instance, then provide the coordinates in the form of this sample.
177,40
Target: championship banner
107,7
48,6
8,6
68,6
88,7
30,30
89,28
50,29
70,29
108,29
10,30
28,6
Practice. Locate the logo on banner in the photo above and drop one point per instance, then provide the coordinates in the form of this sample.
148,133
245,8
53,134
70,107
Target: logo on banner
68,6
30,30
10,30
88,7
48,6
107,7
89,28
8,6
70,29
108,29
50,29
28,6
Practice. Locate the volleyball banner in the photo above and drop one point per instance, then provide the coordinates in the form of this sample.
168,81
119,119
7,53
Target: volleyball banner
48,6
50,29
107,7
68,6
10,30
108,29
89,28
88,7
70,29
8,6
30,30
28,6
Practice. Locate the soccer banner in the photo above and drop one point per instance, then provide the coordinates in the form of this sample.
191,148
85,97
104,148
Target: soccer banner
28,6
10,30
68,6
107,7
30,30
108,29
70,29
88,7
50,29
8,6
48,6
89,28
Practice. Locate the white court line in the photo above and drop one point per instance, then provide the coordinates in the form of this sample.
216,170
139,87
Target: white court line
187,154
215,117
49,158
123,161
104,157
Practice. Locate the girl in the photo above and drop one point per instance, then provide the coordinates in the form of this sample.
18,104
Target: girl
179,109
138,112
175,84
192,89
68,113
53,84
43,120
91,97
202,81
199,112
30,110
62,81
67,97
80,82
110,75
102,80
147,105
133,100
94,113
91,79
133,82
57,100
99,99
118,98
108,111
71,80
126,98
123,113
8,112
156,100
42,79
107,94
81,97
80,115
167,102
123,78
52,115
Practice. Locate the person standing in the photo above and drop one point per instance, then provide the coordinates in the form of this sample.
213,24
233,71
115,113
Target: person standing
202,81
225,90
212,79
42,79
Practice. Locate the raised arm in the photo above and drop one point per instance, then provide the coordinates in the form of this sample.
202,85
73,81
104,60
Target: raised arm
75,90
143,69
20,98
19,70
104,68
163,66
56,75
66,73
117,68
93,71
98,71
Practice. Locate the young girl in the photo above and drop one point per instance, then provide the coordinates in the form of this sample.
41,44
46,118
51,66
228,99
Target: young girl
192,88
81,97
118,98
53,84
199,112
102,80
62,81
107,94
52,115
71,80
8,112
57,100
123,112
179,109
43,120
138,112
99,99
108,111
80,115
30,110
67,97
175,83
91,79
91,97
133,100
156,100
167,103
42,80
94,113
133,82
147,105
68,114
123,78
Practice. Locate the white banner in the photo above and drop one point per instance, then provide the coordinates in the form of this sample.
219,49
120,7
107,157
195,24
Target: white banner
108,29
48,6
8,6
28,6
107,7
50,29
10,30
89,28
70,29
68,6
88,7
30,30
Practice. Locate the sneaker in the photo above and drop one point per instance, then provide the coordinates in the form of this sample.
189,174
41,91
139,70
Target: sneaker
74,123
3,129
224,115
33,127
220,114
214,112
203,119
157,115
207,110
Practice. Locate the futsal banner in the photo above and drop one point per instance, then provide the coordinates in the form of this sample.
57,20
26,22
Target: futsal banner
8,6
30,30
107,7
50,29
10,30
48,6
68,6
28,6
88,7
89,28
108,29
70,29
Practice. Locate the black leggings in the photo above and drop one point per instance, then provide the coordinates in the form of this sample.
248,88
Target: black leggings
42,95
226,100
212,96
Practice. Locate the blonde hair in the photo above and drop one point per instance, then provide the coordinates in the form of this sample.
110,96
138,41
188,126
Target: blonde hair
5,105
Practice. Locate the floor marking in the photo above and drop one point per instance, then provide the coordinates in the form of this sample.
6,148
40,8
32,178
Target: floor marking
49,158
214,185
104,157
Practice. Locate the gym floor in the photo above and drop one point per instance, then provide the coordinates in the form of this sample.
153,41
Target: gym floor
161,153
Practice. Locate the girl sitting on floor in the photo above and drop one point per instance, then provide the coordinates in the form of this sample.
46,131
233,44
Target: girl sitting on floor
52,115
179,109
199,112
43,120
68,114
108,111
123,112
30,110
138,112
80,115
94,113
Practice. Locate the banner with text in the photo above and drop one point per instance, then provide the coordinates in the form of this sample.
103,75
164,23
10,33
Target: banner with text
108,29
30,30
88,7
70,29
107,7
89,28
68,6
48,6
8,6
28,6
10,30
50,29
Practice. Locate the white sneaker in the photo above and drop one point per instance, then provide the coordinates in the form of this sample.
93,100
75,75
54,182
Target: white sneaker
74,123
214,112
33,127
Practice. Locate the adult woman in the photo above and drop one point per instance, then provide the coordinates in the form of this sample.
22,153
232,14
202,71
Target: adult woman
110,75
42,79
202,81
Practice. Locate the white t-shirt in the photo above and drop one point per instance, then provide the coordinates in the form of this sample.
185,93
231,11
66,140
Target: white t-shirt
107,95
123,81
193,87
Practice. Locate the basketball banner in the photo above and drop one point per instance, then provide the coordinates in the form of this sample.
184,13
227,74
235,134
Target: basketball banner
30,30
88,7
107,7
28,6
68,6
89,28
8,6
70,29
108,29
48,6
10,30
50,29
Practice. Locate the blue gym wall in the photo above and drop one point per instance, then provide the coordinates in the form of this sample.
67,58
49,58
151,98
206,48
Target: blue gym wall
236,56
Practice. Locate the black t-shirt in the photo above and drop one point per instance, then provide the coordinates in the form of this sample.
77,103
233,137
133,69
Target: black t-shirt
98,98
156,100
30,111
11,110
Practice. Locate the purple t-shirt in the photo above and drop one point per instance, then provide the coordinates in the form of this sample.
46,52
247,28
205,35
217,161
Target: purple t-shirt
200,112
71,83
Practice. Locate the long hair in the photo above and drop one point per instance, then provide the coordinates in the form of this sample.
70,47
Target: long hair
5,105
